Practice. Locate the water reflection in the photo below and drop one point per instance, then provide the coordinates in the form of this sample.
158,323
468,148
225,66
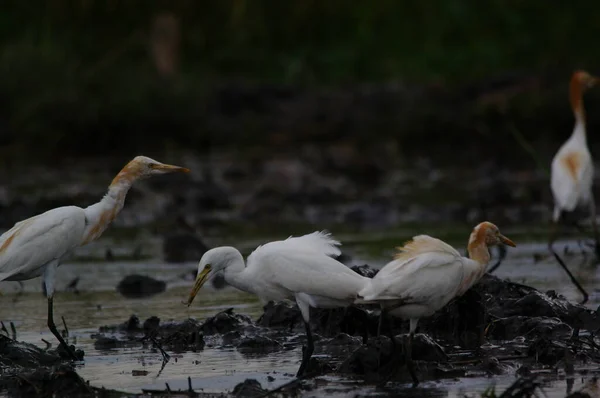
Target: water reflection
215,370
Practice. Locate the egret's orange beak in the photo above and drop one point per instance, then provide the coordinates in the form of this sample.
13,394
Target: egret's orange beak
200,280
167,168
506,241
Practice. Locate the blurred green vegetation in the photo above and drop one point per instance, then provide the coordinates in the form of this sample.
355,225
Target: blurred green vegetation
78,76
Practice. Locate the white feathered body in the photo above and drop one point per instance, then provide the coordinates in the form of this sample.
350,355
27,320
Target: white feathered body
572,173
423,278
31,244
298,268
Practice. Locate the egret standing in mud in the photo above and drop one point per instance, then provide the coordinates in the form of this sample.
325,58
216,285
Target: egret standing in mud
426,274
572,171
297,268
38,245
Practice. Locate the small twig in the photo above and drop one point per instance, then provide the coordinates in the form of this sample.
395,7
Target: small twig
48,344
168,388
3,329
156,344
14,330
65,325
162,367
190,389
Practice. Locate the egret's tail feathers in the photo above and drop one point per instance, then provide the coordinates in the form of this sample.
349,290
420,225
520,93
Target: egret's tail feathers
319,241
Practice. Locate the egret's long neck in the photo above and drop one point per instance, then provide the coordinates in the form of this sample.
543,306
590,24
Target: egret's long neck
478,249
576,97
235,274
99,216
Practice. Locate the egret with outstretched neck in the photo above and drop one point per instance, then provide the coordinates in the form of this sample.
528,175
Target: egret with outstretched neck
38,245
425,275
298,268
572,171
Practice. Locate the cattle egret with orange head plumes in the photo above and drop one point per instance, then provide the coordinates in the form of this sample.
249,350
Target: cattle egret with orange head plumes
572,171
38,245
299,269
426,274
572,167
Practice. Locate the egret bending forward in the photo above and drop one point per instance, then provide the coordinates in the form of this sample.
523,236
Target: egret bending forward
426,274
573,169
38,245
296,268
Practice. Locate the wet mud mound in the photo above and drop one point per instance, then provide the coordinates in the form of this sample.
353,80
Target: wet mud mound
57,381
497,327
224,329
24,355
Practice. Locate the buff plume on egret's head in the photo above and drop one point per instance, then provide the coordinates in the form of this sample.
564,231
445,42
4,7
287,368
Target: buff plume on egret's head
142,167
491,234
585,79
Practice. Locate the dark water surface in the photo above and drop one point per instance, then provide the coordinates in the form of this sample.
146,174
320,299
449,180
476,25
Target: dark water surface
220,369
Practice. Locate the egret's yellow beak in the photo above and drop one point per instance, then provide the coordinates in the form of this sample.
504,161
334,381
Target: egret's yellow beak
506,241
200,280
167,168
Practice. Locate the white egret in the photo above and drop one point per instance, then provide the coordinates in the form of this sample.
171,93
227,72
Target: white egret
38,245
572,171
298,268
426,274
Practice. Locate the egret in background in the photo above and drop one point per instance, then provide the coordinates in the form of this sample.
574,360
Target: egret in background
38,245
297,268
572,171
425,275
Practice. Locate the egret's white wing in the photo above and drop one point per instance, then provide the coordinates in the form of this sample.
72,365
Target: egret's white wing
420,279
303,271
33,242
320,242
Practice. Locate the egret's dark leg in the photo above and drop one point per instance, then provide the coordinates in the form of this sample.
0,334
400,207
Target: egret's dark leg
55,332
380,324
408,357
307,350
553,234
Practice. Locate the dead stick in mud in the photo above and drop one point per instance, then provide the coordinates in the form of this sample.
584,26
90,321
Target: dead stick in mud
3,329
156,344
65,325
48,344
575,282
190,389
13,330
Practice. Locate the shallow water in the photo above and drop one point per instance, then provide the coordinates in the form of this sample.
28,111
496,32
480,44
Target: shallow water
218,370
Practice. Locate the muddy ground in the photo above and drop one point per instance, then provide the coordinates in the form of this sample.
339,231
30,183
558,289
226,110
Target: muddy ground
496,328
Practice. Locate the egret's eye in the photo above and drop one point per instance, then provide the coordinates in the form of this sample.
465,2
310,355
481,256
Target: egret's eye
207,267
